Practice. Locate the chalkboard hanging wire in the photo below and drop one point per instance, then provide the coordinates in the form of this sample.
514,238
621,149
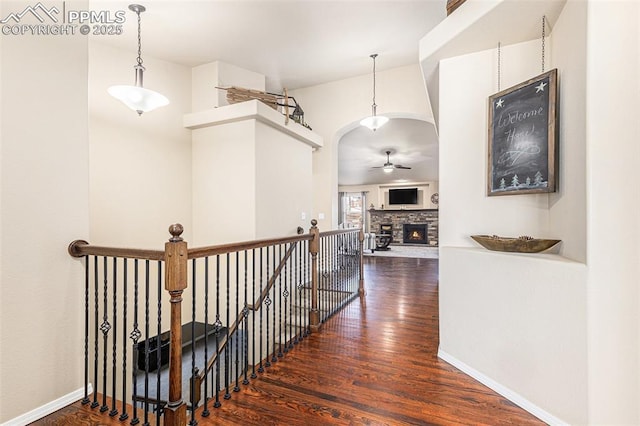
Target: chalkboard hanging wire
499,66
544,19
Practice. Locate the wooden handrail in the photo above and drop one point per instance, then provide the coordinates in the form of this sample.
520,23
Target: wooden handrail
80,248
256,305
176,255
198,252
339,232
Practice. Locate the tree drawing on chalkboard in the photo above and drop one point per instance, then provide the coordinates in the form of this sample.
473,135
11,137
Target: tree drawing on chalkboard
523,137
537,179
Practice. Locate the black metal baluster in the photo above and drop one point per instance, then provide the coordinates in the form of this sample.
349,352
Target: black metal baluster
274,356
114,373
280,303
218,327
253,316
227,355
267,303
321,276
245,364
104,327
261,368
194,370
336,256
205,411
135,336
147,341
236,362
285,295
159,345
96,305
86,399
298,284
291,326
124,414
309,285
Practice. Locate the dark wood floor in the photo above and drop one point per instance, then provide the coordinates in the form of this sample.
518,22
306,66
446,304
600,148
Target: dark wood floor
374,363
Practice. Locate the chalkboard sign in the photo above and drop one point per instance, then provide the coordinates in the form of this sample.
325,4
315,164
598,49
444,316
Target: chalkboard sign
523,137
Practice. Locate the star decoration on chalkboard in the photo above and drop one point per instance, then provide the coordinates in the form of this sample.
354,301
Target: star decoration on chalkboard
500,103
540,87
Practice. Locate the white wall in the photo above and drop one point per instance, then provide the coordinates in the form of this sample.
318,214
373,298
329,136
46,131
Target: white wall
140,165
331,108
567,206
250,181
590,315
519,321
613,156
283,184
463,150
45,205
224,190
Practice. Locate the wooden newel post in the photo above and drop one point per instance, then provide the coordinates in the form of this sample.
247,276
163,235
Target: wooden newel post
361,251
314,248
175,258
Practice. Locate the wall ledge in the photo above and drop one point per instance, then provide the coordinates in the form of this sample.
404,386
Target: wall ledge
548,256
251,110
512,396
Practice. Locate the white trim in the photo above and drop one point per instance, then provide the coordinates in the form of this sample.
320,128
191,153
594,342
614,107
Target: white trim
46,409
502,390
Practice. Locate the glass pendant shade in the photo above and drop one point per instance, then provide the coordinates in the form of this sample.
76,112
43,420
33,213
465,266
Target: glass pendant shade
374,121
387,169
137,97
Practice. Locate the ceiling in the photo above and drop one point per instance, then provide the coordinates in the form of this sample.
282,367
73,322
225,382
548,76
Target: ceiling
413,143
301,43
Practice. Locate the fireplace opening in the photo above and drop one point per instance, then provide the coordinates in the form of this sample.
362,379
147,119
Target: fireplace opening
415,233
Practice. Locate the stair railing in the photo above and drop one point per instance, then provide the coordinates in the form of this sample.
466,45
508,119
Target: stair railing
290,286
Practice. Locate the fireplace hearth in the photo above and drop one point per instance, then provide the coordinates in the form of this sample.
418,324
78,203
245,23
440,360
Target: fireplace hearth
415,233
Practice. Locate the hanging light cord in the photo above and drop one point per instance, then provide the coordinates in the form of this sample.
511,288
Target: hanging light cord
139,59
374,79
499,66
543,37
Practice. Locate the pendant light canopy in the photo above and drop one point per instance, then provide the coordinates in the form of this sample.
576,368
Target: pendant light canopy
374,121
137,97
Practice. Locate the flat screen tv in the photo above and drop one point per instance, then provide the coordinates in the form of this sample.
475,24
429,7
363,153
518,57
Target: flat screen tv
403,196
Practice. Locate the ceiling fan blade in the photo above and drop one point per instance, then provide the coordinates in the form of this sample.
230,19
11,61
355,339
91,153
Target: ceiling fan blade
401,167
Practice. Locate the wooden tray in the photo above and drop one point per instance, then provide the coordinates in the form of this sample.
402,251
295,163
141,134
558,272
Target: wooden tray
518,245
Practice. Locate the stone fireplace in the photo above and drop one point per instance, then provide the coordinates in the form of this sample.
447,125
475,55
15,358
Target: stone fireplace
415,233
398,218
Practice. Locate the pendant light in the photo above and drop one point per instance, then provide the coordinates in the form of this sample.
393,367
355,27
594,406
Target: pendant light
374,121
137,97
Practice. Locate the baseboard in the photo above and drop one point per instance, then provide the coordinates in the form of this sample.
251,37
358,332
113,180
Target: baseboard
502,390
46,409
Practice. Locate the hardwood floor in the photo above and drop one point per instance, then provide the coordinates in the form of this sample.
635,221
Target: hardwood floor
374,363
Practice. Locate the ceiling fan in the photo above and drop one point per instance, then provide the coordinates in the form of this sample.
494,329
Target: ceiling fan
389,166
